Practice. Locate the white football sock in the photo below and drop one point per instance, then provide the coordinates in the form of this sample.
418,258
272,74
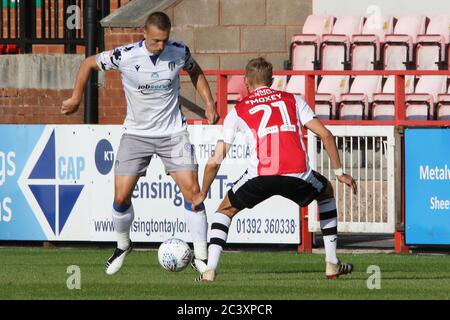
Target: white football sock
219,234
328,225
122,223
198,228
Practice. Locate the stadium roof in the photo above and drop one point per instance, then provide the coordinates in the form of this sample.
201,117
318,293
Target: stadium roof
134,13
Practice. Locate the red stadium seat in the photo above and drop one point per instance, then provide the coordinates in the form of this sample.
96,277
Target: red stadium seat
9,49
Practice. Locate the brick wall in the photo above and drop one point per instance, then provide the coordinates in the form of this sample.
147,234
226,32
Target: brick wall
225,34
34,106
43,105
222,34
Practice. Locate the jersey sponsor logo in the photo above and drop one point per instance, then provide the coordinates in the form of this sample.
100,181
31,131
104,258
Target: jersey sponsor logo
137,67
162,84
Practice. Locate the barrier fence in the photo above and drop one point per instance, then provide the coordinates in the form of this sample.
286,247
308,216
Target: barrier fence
372,151
367,154
48,22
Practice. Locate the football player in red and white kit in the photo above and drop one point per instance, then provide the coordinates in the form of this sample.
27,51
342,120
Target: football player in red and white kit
272,122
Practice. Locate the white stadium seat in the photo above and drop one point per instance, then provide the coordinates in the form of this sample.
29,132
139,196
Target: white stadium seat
328,94
355,104
279,83
420,104
296,85
365,49
443,106
305,46
430,50
383,102
335,47
398,48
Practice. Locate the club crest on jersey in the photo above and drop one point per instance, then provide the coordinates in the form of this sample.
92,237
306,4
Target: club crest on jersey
172,65
154,76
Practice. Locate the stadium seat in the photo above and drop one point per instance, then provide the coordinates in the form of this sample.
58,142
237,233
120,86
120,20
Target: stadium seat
355,104
398,48
328,94
420,104
304,46
296,85
383,102
430,50
443,106
365,49
236,88
9,49
279,83
335,47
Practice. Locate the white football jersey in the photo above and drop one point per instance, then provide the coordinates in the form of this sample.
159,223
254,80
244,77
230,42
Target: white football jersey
151,89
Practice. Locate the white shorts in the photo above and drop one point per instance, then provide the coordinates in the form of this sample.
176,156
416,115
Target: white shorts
135,152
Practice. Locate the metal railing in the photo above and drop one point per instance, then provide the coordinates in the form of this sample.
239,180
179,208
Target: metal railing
310,94
367,154
48,22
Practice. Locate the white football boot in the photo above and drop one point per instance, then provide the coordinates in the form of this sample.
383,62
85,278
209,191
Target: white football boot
199,265
335,270
207,276
115,262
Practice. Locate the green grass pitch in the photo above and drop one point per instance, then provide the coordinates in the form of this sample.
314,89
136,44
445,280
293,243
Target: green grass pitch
35,273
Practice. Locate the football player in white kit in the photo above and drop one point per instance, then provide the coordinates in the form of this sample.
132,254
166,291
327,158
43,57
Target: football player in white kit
154,124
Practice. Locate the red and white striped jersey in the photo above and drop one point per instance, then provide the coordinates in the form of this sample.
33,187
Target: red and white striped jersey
271,121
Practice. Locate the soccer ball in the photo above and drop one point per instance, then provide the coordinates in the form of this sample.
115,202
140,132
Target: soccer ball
174,255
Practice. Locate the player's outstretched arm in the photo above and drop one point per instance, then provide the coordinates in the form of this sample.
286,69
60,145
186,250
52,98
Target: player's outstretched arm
201,85
71,105
330,145
211,169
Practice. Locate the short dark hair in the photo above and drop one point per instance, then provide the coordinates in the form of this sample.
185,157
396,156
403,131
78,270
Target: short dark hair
158,19
259,70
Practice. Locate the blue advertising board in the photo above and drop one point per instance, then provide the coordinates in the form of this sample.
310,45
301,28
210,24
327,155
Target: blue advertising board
427,190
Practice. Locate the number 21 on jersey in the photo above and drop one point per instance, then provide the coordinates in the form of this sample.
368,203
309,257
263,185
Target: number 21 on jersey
263,129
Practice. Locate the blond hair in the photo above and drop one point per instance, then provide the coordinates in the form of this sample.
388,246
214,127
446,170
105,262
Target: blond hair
259,71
